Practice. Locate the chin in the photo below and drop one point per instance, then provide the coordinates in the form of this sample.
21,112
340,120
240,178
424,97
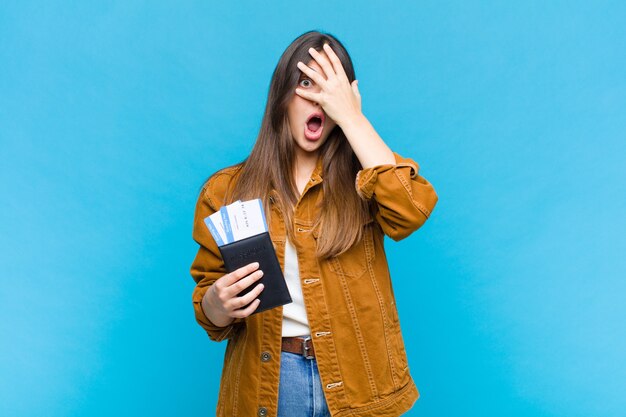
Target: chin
309,146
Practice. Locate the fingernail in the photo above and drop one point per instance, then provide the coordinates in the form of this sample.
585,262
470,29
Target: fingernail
260,273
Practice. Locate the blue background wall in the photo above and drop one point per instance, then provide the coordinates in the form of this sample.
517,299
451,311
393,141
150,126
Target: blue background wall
511,297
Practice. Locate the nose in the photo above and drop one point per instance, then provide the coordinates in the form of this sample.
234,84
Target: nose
317,90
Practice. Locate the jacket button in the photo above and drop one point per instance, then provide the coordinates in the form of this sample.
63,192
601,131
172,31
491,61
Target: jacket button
265,356
262,412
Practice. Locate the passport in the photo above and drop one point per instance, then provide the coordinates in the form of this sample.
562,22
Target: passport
242,237
259,248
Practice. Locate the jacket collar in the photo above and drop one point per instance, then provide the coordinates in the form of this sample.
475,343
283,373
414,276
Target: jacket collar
316,175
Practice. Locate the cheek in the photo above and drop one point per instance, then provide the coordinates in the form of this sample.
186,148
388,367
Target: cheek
330,126
297,111
292,115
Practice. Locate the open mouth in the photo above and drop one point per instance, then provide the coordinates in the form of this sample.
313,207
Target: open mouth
314,126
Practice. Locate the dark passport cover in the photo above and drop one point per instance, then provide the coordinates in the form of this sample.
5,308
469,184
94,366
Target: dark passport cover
259,248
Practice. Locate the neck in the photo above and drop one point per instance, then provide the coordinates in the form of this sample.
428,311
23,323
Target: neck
305,163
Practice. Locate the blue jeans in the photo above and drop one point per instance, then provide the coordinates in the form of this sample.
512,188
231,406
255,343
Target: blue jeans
300,392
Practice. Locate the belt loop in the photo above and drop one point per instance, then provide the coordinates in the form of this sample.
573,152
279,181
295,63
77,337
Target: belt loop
305,348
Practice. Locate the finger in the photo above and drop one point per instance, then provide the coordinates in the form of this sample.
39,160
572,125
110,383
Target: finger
238,274
334,59
324,63
355,87
244,300
247,311
242,284
309,95
314,75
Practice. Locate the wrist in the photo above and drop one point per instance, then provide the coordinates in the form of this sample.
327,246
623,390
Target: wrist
351,121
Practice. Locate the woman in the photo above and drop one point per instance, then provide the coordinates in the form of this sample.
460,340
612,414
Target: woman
331,189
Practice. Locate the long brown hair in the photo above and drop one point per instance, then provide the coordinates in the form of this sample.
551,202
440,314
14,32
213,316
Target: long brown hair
270,164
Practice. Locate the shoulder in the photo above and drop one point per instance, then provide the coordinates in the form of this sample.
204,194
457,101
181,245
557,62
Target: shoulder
217,186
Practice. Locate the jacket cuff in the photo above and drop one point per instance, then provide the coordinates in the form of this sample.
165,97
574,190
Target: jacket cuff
368,178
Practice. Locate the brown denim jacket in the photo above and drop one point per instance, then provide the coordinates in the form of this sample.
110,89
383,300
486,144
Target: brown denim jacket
349,302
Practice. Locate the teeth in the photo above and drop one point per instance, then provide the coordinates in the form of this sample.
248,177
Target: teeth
315,117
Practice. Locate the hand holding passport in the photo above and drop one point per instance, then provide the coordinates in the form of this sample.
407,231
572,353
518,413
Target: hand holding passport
240,231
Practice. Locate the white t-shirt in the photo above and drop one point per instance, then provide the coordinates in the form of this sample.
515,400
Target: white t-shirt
295,321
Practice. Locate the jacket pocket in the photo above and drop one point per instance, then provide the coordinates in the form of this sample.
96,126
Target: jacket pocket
355,261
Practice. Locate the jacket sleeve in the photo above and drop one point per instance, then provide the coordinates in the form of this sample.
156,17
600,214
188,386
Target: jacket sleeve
208,266
404,198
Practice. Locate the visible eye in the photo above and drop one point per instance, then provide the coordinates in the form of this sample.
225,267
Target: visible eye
309,82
